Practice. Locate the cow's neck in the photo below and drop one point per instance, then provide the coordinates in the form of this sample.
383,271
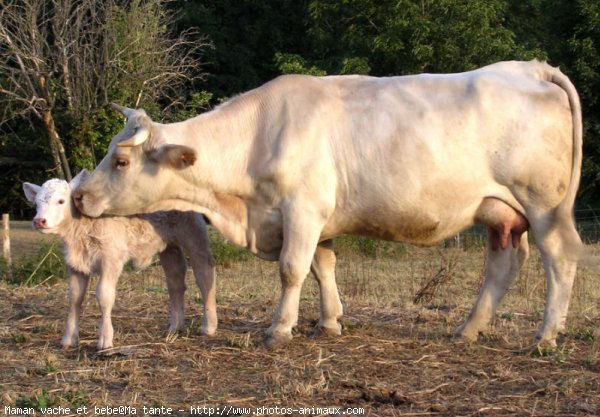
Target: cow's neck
219,182
222,139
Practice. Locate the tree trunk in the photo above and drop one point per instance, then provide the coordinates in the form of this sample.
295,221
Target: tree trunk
56,148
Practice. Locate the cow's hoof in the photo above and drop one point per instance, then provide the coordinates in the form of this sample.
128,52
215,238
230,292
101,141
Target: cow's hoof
321,331
277,340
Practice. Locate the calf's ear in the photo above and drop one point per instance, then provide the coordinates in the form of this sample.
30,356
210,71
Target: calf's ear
79,178
175,156
31,190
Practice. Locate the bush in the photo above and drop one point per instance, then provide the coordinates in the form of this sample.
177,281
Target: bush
46,265
226,253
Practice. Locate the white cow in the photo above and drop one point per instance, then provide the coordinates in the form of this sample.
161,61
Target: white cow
288,166
105,244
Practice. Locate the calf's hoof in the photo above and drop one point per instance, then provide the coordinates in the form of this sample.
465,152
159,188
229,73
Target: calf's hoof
277,340
68,342
466,333
103,345
208,332
545,344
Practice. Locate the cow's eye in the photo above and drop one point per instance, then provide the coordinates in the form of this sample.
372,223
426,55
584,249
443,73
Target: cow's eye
121,163
61,201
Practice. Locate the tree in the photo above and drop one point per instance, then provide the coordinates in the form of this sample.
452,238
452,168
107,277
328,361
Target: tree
23,47
246,35
392,37
66,59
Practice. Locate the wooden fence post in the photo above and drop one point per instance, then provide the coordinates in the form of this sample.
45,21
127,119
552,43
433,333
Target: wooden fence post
6,243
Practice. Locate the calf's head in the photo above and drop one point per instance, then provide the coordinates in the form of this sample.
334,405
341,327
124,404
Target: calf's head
52,201
137,171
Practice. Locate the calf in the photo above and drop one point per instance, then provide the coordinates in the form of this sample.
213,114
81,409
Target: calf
103,246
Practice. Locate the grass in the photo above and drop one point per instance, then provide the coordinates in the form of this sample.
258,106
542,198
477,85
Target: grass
395,357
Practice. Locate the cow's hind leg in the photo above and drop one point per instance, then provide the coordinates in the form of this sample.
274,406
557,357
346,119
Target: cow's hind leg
175,267
507,250
502,267
560,247
323,268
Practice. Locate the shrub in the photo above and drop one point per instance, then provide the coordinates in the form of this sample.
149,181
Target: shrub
46,265
226,253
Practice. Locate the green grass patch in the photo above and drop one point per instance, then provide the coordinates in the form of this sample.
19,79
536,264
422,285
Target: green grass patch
226,253
47,265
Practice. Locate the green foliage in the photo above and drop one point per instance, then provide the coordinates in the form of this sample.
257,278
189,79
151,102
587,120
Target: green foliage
37,402
196,104
410,36
226,253
255,41
295,64
246,35
46,265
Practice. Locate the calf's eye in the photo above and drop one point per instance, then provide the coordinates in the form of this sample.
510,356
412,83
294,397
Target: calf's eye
121,163
61,201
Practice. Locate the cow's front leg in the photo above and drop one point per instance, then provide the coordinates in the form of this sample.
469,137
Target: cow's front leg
105,294
300,237
78,283
323,268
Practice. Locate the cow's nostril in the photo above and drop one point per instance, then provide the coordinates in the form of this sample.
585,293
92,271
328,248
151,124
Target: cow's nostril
78,198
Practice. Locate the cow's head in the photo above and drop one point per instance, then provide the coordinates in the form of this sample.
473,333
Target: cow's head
52,201
127,180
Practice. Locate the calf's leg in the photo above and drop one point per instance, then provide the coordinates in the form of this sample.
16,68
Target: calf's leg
78,283
203,264
175,267
204,272
105,294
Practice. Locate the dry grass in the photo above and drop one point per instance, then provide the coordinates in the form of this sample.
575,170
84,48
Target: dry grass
395,358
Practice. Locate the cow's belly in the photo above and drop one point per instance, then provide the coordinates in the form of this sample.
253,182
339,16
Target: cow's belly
265,232
425,224
418,229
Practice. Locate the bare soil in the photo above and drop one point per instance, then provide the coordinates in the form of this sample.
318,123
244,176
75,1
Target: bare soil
395,358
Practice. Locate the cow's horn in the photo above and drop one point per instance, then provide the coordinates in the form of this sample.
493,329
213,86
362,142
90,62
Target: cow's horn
125,111
140,137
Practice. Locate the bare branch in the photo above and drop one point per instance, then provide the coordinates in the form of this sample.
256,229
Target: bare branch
78,55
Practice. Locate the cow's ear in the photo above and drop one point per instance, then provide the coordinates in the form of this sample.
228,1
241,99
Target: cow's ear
31,191
175,156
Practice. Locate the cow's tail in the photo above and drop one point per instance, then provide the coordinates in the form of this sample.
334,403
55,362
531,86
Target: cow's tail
565,208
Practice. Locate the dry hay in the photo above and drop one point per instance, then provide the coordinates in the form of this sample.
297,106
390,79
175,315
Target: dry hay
394,358
390,362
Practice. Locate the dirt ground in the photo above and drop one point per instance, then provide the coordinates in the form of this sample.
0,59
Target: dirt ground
395,358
